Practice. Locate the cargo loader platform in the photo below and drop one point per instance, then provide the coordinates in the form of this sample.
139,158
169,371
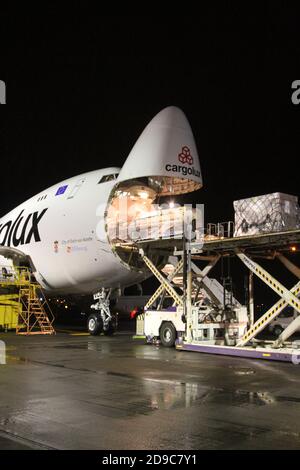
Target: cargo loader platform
227,337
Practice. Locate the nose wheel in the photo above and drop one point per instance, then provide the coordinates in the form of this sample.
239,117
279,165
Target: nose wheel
94,324
102,319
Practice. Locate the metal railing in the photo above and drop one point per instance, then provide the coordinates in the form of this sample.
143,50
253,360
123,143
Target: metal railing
219,230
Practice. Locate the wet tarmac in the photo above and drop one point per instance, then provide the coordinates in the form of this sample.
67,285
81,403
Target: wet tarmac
74,391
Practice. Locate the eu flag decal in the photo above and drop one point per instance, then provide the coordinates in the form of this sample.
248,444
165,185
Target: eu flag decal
61,190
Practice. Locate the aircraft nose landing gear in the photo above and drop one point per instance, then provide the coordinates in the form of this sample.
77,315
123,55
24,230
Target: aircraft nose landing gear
102,319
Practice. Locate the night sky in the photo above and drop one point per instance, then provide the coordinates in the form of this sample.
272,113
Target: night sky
81,89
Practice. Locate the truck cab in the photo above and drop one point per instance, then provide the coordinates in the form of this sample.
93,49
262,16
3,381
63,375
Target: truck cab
282,321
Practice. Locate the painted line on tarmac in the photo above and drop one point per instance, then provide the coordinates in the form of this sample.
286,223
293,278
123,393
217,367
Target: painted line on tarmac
79,334
72,332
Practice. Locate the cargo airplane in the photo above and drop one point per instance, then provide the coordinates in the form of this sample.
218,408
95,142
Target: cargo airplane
65,232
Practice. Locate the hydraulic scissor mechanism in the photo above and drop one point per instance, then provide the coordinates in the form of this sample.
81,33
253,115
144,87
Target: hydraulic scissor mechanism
288,297
197,299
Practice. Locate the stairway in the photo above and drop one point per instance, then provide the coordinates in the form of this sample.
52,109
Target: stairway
34,319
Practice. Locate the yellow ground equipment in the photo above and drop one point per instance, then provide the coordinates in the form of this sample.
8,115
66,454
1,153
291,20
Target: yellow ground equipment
10,309
22,303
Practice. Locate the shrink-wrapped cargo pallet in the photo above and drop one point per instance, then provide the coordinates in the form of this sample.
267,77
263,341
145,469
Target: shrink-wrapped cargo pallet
276,212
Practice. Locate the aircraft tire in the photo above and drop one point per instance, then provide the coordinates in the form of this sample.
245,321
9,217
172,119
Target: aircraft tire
94,324
277,330
167,334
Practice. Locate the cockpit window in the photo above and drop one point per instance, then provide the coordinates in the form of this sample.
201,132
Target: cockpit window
106,178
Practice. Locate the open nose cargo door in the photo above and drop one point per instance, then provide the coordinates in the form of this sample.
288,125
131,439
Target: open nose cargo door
166,154
163,162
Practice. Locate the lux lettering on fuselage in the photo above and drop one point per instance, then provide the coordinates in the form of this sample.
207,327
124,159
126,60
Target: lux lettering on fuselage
22,230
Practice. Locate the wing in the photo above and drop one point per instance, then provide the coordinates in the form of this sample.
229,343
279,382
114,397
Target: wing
16,256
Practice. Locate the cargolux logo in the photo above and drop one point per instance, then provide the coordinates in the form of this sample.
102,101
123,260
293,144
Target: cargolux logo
185,156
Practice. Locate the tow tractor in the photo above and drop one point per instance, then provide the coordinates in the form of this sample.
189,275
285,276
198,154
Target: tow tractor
213,321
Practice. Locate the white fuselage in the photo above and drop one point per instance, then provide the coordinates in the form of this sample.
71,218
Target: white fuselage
65,236
63,229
